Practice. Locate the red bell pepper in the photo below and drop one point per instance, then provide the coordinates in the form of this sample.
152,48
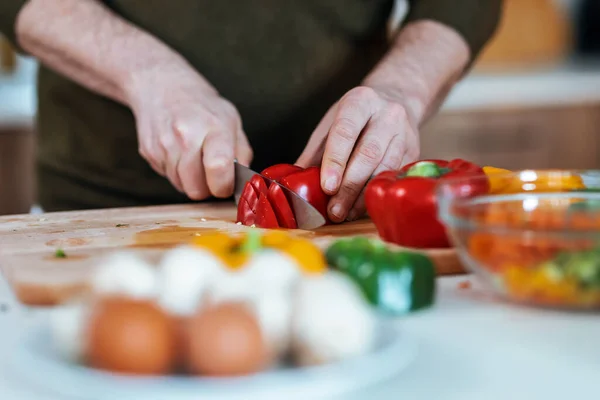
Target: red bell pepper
403,206
307,184
269,207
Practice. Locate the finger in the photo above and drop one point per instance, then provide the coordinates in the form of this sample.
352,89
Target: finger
353,114
170,156
218,155
243,150
312,155
359,208
365,158
392,160
190,170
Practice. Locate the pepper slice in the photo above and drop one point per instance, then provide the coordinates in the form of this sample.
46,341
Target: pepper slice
259,185
278,171
396,282
245,212
265,215
281,206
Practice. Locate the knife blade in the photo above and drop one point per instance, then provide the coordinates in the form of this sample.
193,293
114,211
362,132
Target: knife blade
307,217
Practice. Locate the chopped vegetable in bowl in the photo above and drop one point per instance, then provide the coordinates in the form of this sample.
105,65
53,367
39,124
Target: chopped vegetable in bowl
539,245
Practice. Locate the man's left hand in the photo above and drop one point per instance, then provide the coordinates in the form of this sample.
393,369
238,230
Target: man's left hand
367,131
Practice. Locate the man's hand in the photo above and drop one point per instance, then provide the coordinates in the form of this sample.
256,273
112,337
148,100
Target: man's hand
375,127
368,131
188,132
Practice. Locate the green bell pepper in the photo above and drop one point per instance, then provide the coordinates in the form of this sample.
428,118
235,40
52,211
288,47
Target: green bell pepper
396,282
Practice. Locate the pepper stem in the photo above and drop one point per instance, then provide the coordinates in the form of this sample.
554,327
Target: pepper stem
425,169
253,242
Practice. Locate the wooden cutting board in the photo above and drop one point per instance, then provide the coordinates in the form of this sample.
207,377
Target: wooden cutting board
28,243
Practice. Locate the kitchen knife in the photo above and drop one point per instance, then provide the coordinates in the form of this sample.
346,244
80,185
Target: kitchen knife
307,217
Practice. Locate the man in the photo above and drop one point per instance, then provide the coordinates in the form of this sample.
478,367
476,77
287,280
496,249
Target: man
203,82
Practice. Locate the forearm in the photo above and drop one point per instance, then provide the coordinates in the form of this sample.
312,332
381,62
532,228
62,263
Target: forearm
425,61
85,41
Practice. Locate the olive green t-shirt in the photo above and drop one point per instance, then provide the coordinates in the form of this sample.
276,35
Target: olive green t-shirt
282,63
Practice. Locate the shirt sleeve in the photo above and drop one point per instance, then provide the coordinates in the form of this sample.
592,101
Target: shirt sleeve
475,20
9,10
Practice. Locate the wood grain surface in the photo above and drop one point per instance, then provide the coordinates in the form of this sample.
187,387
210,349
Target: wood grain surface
28,243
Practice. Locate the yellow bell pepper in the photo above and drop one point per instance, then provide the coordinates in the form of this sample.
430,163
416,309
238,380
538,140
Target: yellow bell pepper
235,251
225,247
498,178
310,258
502,182
535,285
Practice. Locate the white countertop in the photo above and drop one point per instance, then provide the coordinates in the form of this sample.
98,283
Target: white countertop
564,84
553,86
470,348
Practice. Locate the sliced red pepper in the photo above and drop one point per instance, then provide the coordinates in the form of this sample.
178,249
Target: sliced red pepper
259,185
279,171
403,206
246,213
307,184
265,215
281,206
250,195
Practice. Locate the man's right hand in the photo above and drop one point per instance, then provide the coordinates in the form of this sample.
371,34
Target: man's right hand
187,131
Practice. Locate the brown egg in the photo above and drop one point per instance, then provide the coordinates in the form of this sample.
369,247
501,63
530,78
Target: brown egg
226,340
132,337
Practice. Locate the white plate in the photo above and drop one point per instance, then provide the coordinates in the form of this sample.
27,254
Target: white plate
34,359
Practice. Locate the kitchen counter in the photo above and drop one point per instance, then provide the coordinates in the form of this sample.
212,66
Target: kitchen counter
563,85
571,83
471,347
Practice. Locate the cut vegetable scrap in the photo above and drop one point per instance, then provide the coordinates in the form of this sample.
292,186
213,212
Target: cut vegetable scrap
60,253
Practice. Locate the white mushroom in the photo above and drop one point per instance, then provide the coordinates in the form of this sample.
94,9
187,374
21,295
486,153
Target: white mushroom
126,274
274,314
232,287
67,325
186,274
331,320
271,271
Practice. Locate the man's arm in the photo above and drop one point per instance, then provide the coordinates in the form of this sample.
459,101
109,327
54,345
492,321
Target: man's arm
88,43
434,49
376,127
186,130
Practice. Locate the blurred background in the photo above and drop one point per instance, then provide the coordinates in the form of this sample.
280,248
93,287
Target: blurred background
531,101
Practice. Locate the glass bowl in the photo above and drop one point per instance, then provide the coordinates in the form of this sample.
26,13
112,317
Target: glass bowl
532,236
